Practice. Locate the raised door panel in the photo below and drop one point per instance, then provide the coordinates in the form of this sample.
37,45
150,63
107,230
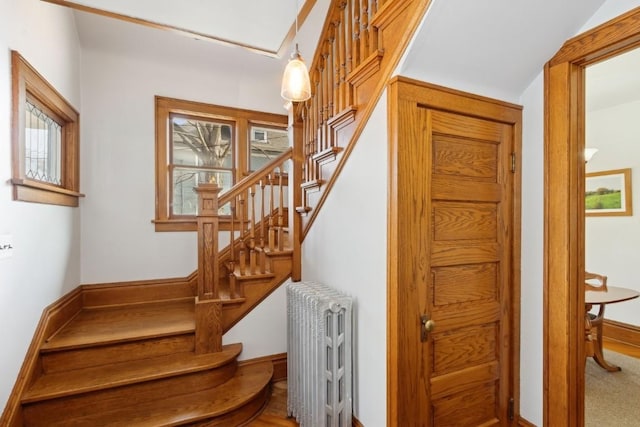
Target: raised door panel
467,264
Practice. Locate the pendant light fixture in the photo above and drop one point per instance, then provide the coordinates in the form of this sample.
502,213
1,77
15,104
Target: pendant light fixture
295,80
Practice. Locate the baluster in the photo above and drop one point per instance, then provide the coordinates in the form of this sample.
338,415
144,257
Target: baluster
252,230
373,32
272,231
305,142
262,228
336,69
325,96
364,30
355,50
349,63
330,88
312,139
348,25
243,248
309,141
321,101
280,213
231,265
318,129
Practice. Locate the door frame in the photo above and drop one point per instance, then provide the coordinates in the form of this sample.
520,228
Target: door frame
564,114
404,95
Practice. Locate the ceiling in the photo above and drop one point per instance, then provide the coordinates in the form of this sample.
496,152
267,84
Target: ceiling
258,25
491,48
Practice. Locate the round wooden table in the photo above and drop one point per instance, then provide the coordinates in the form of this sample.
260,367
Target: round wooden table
612,295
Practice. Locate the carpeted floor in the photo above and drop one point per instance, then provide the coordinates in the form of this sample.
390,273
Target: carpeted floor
612,399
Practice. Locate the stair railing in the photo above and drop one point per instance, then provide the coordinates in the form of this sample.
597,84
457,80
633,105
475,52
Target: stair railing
348,43
247,239
256,206
360,46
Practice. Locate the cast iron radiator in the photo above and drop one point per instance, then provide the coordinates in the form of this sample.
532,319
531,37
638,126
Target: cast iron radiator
319,355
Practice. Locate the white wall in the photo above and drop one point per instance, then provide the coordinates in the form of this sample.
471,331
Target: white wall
347,249
531,291
118,158
612,242
46,238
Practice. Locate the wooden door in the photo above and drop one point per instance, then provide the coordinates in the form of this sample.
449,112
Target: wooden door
453,266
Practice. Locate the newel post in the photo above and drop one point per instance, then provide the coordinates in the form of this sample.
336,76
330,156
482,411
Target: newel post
208,304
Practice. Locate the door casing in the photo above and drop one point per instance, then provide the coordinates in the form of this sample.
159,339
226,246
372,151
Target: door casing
564,212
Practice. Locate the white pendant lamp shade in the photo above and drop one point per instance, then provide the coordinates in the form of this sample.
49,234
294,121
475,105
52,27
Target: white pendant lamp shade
295,81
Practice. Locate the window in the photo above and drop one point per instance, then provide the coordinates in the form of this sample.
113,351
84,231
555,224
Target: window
44,140
198,143
266,144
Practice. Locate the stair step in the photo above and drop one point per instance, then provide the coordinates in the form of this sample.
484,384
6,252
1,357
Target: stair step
68,383
105,325
231,403
86,357
255,276
286,251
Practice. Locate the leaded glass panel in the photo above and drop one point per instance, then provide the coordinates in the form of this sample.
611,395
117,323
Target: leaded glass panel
42,146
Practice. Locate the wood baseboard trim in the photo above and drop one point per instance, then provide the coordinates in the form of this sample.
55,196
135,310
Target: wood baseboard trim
524,423
356,422
279,364
117,293
621,332
53,318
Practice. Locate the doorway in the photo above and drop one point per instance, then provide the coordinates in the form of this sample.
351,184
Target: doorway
564,325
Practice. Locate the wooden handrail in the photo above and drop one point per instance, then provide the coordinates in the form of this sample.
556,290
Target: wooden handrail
244,184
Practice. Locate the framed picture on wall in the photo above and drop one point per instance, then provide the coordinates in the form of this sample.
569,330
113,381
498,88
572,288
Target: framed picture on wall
608,193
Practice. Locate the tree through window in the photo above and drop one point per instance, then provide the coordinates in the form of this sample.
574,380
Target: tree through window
199,143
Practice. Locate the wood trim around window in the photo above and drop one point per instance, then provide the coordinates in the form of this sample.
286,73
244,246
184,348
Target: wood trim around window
28,83
241,118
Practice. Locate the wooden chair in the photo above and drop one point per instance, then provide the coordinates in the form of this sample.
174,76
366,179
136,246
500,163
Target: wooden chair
593,323
590,278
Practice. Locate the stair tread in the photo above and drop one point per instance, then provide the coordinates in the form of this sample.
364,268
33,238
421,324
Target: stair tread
248,382
67,383
124,323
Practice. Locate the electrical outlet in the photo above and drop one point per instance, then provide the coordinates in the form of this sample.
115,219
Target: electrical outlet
6,246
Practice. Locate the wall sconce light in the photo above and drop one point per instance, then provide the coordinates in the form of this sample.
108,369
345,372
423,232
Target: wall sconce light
295,80
588,153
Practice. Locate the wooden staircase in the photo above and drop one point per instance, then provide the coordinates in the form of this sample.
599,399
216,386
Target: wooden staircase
130,354
135,365
151,354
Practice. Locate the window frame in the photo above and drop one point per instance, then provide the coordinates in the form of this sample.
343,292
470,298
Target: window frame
28,84
242,120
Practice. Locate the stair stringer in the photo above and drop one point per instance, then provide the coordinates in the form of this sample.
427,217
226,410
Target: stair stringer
255,289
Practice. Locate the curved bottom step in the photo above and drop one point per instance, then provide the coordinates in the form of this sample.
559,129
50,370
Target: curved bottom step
231,404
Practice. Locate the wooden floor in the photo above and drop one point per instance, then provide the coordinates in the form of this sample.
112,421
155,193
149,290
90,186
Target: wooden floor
275,414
